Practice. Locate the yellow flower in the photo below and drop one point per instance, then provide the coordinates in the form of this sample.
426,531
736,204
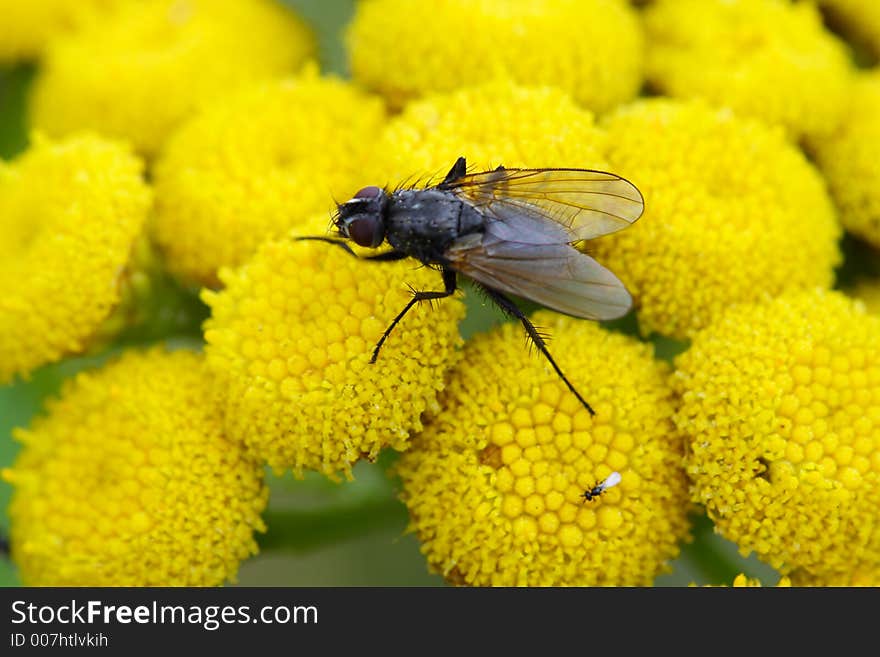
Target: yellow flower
859,19
129,481
495,483
28,27
495,123
138,75
72,211
780,403
256,164
848,158
734,212
741,581
593,49
858,575
290,339
770,59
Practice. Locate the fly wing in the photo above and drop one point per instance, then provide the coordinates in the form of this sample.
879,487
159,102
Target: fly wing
557,276
585,203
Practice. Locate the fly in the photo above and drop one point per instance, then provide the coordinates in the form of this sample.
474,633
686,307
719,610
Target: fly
508,230
610,482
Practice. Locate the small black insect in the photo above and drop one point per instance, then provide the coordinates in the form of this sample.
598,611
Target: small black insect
601,486
510,231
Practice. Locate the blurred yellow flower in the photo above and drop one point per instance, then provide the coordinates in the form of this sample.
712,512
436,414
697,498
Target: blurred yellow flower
495,483
734,213
256,164
859,19
495,123
129,481
849,159
138,75
769,59
741,581
780,403
859,574
27,27
593,49
72,211
289,342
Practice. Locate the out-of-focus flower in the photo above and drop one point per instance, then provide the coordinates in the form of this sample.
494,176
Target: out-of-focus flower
859,19
741,581
290,340
496,123
780,403
257,164
734,212
72,211
771,59
859,574
138,75
593,49
129,481
27,27
849,160
495,483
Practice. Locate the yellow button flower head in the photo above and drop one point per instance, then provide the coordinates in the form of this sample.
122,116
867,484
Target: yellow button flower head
290,339
256,164
495,483
780,403
770,59
496,123
71,213
849,160
593,49
27,27
129,481
138,75
734,212
859,19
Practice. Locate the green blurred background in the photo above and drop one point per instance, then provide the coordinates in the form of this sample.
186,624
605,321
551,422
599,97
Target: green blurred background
320,533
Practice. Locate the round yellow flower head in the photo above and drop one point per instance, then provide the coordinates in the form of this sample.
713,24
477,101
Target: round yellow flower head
495,123
71,213
290,340
859,19
256,164
593,49
859,574
129,481
780,403
770,59
138,75
498,484
27,27
733,212
849,160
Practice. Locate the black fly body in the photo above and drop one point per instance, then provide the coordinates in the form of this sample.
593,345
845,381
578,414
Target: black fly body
510,231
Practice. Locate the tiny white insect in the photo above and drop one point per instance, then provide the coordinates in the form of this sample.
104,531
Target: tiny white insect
610,482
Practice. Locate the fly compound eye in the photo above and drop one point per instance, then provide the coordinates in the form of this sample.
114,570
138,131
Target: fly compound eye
369,192
366,230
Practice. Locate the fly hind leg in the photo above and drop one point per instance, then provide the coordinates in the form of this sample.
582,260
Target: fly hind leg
511,309
449,283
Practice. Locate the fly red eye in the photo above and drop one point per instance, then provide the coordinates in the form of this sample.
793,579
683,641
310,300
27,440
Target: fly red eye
369,192
366,231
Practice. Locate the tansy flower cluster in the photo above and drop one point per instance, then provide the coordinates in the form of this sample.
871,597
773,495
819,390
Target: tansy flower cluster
306,141
140,74
71,211
770,59
199,144
780,403
290,340
591,49
495,483
130,480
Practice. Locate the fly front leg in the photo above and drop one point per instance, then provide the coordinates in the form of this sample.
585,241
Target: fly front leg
449,283
510,308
